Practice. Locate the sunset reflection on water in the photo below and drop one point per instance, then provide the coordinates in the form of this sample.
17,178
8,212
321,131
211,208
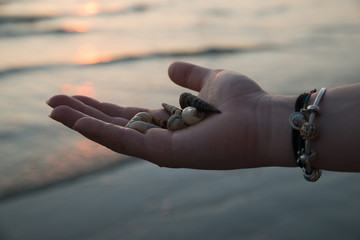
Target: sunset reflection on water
83,154
66,162
78,27
88,9
70,160
86,89
87,54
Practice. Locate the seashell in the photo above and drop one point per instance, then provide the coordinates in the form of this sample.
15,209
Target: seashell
175,122
187,99
141,116
171,109
159,121
191,115
141,126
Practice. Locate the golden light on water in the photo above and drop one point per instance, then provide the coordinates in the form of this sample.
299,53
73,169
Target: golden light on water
88,9
69,161
86,88
87,54
76,27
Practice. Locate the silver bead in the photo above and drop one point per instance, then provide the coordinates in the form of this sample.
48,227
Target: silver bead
313,108
308,131
313,176
296,120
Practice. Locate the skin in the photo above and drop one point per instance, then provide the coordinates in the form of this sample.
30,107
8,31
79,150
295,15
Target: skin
252,129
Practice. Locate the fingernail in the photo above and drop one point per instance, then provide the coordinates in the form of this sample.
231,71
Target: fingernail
171,69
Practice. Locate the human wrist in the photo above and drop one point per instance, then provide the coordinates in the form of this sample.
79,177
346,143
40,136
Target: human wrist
337,142
279,146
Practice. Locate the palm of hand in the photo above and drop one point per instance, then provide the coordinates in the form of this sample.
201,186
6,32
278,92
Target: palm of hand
221,141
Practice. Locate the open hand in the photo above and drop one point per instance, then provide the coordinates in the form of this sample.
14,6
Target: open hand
234,138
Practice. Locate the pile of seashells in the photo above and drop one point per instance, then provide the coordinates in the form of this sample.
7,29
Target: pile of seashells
192,111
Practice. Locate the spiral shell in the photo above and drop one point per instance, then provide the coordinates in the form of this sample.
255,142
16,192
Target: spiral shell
175,122
158,121
191,116
171,109
187,99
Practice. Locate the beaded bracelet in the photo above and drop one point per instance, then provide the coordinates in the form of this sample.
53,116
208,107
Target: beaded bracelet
303,123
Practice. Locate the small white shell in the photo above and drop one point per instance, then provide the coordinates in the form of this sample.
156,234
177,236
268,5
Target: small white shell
141,116
191,116
175,123
141,126
141,122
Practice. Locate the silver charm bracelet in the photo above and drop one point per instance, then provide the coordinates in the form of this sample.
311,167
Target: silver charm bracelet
303,121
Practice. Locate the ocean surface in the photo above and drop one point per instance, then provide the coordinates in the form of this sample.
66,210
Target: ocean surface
119,51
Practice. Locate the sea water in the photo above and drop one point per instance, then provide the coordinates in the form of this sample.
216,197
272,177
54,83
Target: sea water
119,51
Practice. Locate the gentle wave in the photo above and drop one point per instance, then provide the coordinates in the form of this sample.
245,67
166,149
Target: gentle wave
24,189
25,33
128,58
137,8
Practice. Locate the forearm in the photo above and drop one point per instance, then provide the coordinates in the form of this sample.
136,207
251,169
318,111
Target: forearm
339,132
338,125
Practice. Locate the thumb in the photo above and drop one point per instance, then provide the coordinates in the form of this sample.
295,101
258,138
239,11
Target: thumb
188,75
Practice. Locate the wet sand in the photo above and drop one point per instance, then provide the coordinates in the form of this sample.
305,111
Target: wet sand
143,201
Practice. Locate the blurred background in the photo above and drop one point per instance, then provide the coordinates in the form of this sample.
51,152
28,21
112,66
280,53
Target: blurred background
118,51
